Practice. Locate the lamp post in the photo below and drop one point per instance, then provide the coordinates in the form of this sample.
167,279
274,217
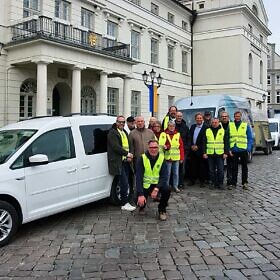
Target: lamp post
151,84
259,102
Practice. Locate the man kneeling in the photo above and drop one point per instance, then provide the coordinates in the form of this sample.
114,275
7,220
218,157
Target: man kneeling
151,179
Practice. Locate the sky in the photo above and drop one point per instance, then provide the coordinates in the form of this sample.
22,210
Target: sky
272,8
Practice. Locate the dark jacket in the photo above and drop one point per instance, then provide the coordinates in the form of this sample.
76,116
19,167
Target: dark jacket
199,140
215,131
163,180
185,134
115,151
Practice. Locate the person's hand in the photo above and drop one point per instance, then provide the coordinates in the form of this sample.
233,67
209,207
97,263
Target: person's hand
224,156
129,155
194,148
141,200
230,153
205,156
154,193
181,161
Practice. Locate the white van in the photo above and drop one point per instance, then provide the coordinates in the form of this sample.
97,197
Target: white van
216,104
274,127
52,164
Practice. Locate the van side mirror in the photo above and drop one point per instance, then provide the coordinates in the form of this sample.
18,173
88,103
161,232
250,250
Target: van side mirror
38,159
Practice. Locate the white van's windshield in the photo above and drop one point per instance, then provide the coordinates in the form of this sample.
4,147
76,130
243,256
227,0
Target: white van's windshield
273,127
11,141
188,114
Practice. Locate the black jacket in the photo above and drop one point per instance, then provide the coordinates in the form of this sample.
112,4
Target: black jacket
185,134
199,140
115,151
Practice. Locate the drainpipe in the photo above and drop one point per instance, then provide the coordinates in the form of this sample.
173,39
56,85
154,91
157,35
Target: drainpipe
194,15
7,95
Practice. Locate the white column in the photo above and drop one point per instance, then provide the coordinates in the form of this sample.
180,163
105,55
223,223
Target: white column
41,98
76,91
126,97
103,92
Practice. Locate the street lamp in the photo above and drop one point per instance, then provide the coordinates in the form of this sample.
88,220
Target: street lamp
259,102
151,85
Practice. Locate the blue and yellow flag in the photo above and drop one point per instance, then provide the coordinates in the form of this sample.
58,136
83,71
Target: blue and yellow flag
153,97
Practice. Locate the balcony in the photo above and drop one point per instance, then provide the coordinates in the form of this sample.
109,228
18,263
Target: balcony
48,29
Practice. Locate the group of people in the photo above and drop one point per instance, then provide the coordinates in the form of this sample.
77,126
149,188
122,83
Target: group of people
157,159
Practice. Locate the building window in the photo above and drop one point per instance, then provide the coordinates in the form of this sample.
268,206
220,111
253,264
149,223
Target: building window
278,97
278,79
184,62
170,17
62,9
170,57
87,18
261,72
135,44
154,51
250,67
135,103
30,8
113,101
88,100
261,38
112,29
137,2
154,9
268,97
28,91
184,25
268,79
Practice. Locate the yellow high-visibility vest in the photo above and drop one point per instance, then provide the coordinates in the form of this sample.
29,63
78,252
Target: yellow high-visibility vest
215,145
165,122
151,176
124,141
238,136
174,152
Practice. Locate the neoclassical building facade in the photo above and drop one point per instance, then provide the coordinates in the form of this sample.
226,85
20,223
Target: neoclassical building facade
62,57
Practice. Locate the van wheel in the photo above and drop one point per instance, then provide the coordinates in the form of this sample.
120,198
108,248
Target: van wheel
115,196
9,222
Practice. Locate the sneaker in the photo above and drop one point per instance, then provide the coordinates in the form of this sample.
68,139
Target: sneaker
128,207
162,216
230,187
245,186
176,189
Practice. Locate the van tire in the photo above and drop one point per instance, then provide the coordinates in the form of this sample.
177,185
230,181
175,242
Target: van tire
115,192
9,222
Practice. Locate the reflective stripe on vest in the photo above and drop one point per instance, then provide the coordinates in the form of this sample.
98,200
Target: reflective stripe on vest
165,123
215,145
238,136
151,176
124,141
174,152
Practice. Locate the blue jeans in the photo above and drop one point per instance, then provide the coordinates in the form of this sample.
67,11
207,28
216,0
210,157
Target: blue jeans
216,170
173,166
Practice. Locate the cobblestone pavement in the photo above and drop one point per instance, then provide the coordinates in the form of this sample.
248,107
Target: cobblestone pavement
209,234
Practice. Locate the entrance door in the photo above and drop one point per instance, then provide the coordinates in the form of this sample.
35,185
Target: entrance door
56,102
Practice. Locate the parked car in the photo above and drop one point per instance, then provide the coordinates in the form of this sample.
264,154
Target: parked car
52,164
274,126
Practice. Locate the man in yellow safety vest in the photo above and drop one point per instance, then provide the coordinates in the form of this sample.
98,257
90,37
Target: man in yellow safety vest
151,179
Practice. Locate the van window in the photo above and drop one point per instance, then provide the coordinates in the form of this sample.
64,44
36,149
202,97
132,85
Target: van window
188,114
273,127
95,138
56,144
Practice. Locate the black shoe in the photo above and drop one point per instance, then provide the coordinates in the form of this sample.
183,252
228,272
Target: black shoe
191,183
202,185
181,186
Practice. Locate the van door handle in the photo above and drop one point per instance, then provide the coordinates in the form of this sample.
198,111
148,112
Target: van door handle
72,170
20,178
85,167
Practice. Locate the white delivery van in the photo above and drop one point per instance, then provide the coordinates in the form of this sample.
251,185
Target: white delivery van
274,127
52,164
217,103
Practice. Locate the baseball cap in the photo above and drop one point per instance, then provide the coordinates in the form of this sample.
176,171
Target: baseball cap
130,119
207,113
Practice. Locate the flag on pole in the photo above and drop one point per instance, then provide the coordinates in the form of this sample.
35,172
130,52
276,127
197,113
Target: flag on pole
155,103
151,98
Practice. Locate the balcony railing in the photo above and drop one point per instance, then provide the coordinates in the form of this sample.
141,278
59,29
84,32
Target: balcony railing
46,28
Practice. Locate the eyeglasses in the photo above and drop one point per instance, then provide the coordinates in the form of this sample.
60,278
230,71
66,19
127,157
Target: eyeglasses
224,116
153,147
121,122
156,125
